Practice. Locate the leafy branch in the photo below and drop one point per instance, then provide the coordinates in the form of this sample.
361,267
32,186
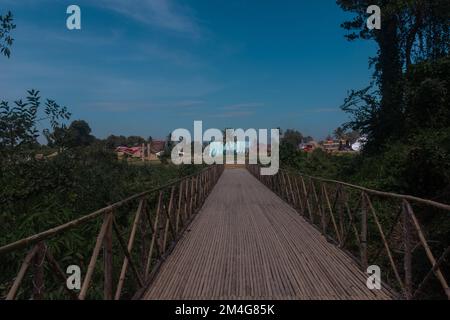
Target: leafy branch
6,26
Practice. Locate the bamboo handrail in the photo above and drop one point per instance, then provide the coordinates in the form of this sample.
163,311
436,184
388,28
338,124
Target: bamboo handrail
321,207
204,180
84,219
379,193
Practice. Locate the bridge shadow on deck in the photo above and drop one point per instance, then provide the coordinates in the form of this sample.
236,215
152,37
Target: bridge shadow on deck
247,243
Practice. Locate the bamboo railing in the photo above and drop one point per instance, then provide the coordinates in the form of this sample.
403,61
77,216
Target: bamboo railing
137,243
367,223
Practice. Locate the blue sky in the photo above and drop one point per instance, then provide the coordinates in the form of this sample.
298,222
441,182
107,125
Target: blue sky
146,67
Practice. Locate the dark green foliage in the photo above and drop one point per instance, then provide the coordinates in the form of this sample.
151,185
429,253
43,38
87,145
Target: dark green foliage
18,122
427,95
6,26
78,134
292,137
38,194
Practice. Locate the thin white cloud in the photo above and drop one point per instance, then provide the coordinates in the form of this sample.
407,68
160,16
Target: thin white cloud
238,110
173,56
324,110
164,14
132,105
240,106
232,114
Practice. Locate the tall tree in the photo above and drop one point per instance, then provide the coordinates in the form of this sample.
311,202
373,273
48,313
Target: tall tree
292,137
381,116
339,133
411,31
79,134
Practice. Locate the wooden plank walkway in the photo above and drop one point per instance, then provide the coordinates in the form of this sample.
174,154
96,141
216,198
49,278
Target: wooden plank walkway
247,243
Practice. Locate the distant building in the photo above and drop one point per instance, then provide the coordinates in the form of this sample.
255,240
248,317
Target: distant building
308,147
332,145
156,149
134,152
157,146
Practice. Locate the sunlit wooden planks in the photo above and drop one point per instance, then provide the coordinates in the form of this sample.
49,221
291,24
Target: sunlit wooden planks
247,243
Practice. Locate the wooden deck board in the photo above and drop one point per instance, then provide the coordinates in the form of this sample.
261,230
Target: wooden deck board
247,243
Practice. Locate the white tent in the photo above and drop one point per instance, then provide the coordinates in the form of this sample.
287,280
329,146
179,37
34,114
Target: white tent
359,144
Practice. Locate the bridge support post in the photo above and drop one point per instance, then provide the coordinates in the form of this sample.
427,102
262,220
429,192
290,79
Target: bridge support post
364,261
38,276
407,263
108,262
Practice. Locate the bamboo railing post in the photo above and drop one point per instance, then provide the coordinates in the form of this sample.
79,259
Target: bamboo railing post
179,217
428,252
59,273
144,232
299,197
276,183
191,194
186,202
202,189
305,192
20,275
153,243
333,220
195,194
129,247
284,192
291,191
431,272
351,220
340,212
386,246
108,263
363,236
97,247
322,212
273,182
316,198
407,262
188,206
155,230
127,255
38,272
169,225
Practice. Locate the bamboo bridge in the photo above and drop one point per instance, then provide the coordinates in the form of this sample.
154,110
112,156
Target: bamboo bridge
229,233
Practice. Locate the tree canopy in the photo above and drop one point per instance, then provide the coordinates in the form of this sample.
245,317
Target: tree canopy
412,32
